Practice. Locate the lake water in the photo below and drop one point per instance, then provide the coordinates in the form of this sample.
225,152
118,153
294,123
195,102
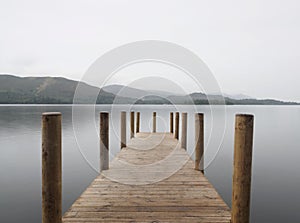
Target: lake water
275,181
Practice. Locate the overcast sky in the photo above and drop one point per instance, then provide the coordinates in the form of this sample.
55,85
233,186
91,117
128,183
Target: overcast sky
252,47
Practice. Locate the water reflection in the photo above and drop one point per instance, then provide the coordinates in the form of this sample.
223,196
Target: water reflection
275,194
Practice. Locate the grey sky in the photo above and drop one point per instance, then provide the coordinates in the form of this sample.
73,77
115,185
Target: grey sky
252,47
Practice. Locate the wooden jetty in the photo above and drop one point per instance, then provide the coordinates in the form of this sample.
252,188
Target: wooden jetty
152,179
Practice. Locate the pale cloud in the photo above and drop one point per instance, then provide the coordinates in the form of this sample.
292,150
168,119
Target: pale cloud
251,46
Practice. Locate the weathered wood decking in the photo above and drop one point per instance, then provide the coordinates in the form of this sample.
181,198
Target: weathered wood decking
151,180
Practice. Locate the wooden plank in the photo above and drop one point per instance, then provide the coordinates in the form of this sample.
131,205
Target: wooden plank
151,180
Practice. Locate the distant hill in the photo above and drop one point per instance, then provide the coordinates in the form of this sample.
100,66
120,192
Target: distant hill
57,90
237,96
125,91
47,90
130,92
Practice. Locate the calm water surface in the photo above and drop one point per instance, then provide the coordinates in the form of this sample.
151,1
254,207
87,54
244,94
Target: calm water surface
276,178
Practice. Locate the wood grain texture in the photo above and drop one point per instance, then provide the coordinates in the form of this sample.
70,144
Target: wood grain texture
184,130
199,142
242,168
176,135
104,141
154,122
51,168
171,122
138,118
131,124
123,129
151,180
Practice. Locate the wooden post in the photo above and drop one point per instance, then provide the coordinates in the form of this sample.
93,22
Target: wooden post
137,122
104,141
51,168
131,124
123,129
183,130
171,122
199,142
241,187
154,122
176,125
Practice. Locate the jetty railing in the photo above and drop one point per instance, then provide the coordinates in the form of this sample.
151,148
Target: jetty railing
52,170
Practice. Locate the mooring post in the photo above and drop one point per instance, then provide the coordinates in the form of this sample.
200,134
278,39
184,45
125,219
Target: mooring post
138,122
241,186
171,122
183,130
176,125
154,122
199,142
131,124
104,141
51,168
123,129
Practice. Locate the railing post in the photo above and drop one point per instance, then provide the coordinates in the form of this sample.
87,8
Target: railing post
104,141
176,125
241,186
138,122
123,129
51,168
154,122
131,124
199,142
171,122
183,130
